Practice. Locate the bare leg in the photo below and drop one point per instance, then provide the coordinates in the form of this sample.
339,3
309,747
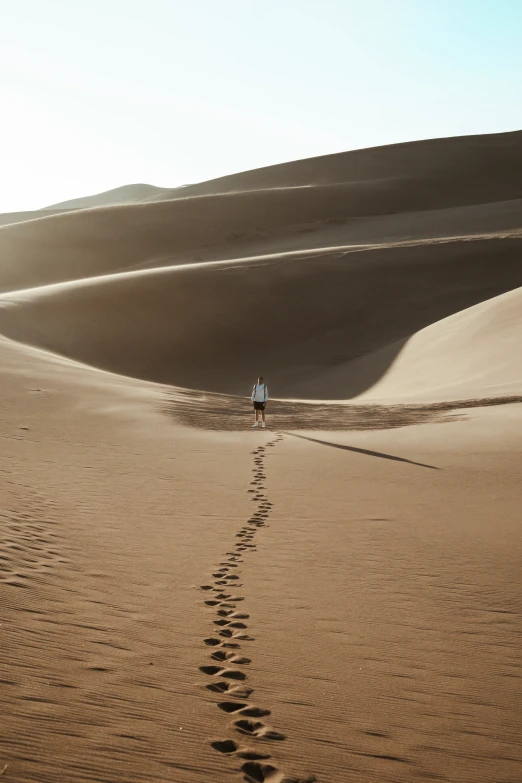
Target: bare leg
263,415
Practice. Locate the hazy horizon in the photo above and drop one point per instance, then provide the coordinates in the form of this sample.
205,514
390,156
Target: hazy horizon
170,95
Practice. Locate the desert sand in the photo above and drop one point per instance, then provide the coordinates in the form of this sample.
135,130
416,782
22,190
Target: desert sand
336,598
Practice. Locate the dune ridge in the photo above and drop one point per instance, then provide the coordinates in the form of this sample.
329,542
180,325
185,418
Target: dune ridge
484,160
126,194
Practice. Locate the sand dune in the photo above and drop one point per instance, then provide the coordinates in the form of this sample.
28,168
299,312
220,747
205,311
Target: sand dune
463,169
10,218
96,242
127,194
330,272
376,609
473,353
456,186
484,161
196,326
475,349
187,600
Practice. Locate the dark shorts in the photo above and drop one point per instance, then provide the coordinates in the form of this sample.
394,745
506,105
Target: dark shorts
259,406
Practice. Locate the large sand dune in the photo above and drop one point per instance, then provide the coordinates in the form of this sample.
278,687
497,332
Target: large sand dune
10,218
212,326
333,259
478,167
479,164
475,349
186,600
473,353
425,189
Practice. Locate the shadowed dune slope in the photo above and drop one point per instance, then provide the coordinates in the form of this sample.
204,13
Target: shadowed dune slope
475,352
213,326
478,167
431,188
478,348
484,160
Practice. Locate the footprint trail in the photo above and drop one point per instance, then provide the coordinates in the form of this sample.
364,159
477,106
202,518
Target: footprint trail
226,674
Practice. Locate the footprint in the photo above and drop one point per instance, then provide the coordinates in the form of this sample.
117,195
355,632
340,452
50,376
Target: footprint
237,691
231,706
266,773
261,773
229,747
252,755
210,669
231,613
221,655
255,712
257,729
232,627
224,746
231,674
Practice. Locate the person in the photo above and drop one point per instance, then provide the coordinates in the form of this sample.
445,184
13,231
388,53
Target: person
259,400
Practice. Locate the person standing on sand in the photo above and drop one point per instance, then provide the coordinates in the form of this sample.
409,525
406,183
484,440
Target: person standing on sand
259,400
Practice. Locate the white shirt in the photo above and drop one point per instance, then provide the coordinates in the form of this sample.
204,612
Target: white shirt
260,393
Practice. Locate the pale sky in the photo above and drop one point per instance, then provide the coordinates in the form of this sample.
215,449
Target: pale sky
101,93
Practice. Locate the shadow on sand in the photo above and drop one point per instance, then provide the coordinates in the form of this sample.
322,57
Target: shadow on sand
368,452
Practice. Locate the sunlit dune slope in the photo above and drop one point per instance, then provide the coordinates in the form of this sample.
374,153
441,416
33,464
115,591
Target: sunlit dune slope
473,353
216,326
477,349
10,218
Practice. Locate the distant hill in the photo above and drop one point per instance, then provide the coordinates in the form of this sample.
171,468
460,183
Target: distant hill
127,194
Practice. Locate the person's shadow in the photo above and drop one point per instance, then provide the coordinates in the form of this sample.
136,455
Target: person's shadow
363,451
